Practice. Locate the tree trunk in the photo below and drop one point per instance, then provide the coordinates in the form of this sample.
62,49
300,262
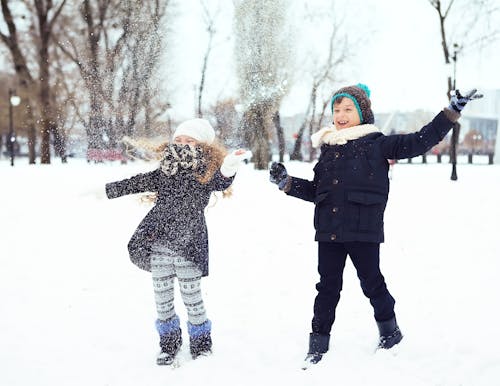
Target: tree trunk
26,82
311,123
29,123
280,135
59,141
297,148
453,150
256,134
202,82
95,128
314,151
46,108
93,83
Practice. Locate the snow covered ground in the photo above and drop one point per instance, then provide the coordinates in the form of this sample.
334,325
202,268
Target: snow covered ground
75,311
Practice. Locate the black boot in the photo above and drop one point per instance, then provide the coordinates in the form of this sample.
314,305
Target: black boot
318,345
200,340
170,345
389,332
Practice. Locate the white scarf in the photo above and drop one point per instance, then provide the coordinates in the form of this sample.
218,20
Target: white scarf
332,136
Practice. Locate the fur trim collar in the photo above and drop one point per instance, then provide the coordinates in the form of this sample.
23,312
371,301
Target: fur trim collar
332,136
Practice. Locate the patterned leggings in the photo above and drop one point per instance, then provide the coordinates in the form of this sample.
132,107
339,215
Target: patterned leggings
165,266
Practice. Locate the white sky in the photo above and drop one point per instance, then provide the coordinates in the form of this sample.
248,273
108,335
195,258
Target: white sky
401,58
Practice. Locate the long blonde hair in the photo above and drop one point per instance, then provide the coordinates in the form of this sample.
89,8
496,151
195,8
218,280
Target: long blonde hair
213,153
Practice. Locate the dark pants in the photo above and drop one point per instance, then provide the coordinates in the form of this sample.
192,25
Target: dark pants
331,263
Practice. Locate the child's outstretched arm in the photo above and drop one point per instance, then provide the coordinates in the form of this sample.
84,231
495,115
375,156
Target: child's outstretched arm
414,144
293,186
233,160
224,177
145,182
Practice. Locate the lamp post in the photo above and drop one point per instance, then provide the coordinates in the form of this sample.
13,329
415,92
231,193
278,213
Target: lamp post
14,100
456,126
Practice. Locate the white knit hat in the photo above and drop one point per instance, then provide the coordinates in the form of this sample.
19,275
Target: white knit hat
199,129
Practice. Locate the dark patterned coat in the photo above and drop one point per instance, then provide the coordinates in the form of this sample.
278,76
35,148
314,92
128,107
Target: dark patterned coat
351,186
177,220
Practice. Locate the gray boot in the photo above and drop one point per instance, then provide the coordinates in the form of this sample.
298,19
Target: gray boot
389,332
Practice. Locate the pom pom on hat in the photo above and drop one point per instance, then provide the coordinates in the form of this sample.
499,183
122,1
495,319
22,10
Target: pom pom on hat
365,88
360,95
197,128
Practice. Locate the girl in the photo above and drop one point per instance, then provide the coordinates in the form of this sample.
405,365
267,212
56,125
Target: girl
171,241
350,190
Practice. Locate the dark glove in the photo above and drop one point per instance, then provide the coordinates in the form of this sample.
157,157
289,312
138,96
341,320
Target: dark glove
458,102
278,175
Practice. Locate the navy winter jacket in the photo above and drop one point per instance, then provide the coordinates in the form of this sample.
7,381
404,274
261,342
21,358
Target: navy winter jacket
351,185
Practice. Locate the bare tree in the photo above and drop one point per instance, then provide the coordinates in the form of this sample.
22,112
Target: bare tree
66,102
226,117
466,18
323,76
144,49
117,58
43,15
47,15
280,135
210,28
26,81
262,53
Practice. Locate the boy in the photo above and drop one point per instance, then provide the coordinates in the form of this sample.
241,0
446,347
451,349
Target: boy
350,190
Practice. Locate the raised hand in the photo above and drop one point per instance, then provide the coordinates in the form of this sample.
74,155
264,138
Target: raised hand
232,161
278,175
458,101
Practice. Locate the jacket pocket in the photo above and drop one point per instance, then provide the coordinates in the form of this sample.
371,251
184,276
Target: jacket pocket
366,198
320,197
365,211
319,202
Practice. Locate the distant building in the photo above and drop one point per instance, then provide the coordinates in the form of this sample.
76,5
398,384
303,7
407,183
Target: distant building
480,125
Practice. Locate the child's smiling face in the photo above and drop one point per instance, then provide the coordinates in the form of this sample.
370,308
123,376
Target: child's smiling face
345,114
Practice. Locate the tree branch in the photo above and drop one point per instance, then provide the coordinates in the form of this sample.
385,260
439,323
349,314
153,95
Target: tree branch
56,15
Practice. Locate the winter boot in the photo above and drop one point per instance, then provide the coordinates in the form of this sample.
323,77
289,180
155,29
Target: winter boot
389,332
170,340
200,340
318,345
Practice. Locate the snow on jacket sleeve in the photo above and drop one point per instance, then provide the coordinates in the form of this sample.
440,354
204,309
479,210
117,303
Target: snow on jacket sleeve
144,182
220,182
301,188
402,146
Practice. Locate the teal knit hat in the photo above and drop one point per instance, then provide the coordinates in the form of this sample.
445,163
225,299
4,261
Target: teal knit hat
360,95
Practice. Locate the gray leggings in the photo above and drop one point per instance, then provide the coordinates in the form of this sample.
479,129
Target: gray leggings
165,266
